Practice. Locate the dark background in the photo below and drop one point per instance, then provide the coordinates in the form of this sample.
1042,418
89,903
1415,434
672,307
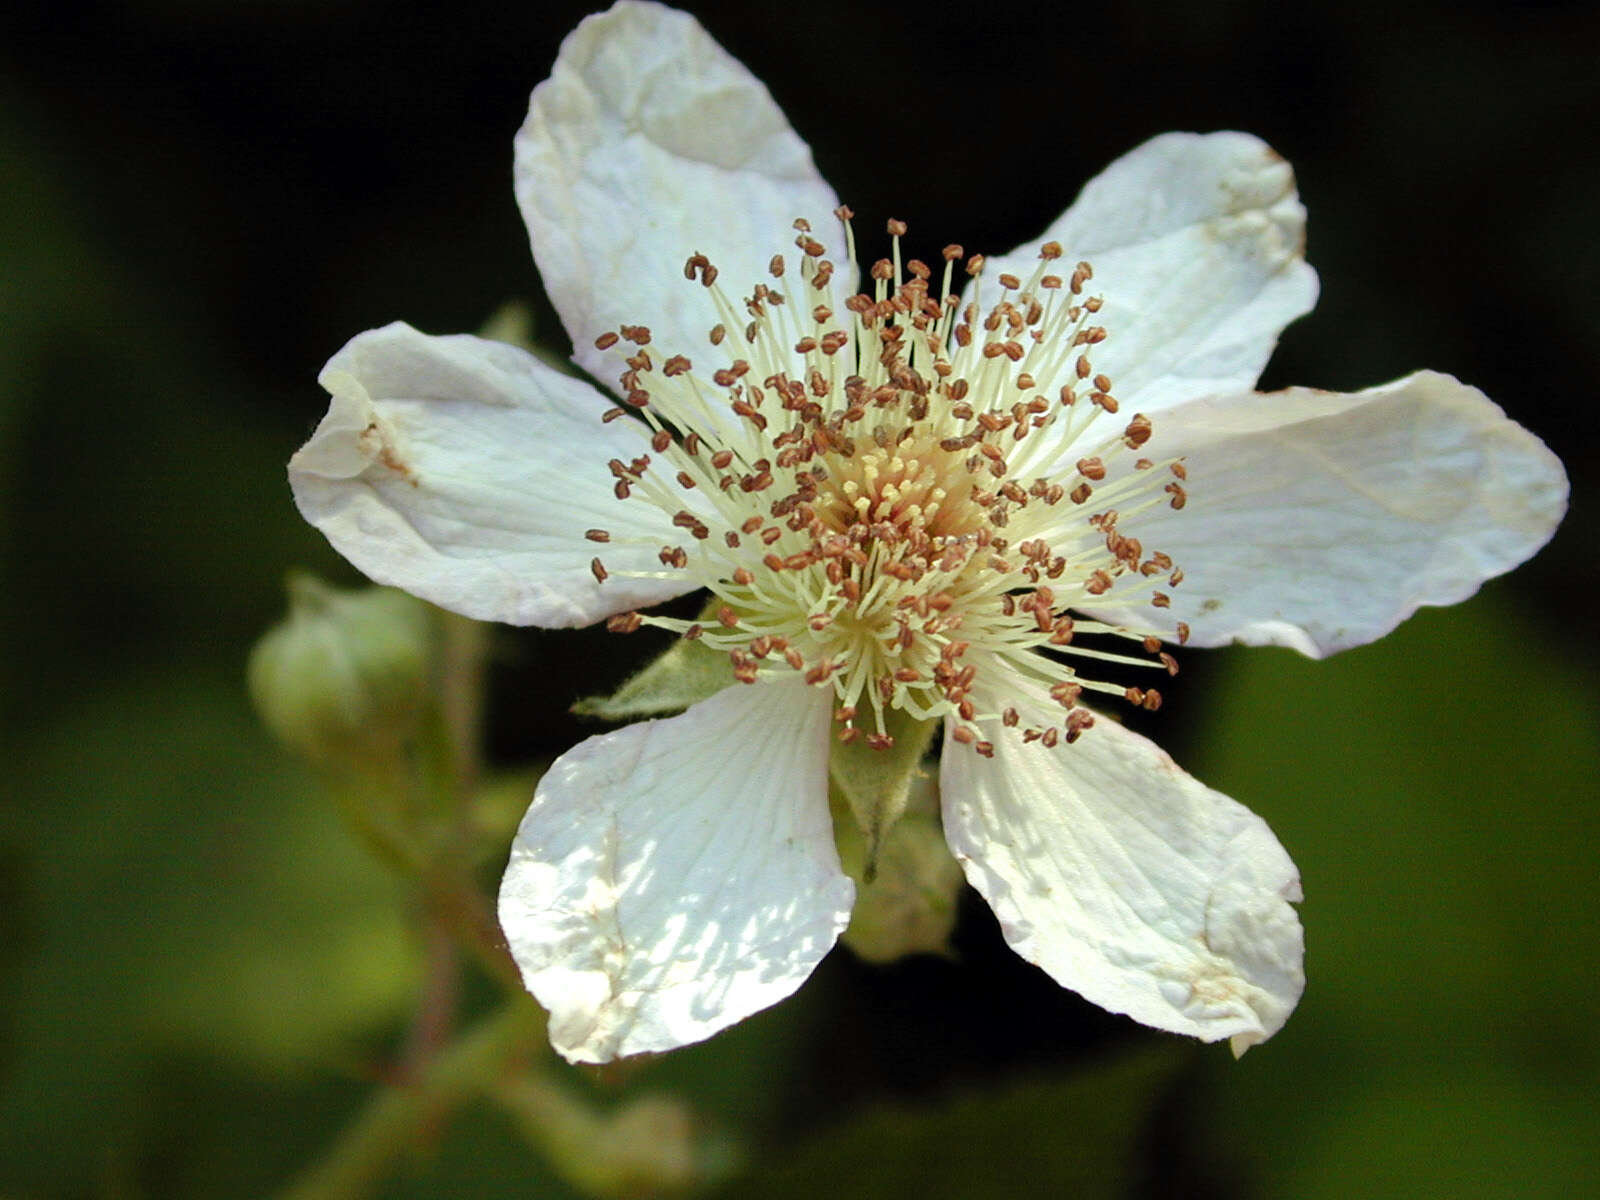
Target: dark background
200,202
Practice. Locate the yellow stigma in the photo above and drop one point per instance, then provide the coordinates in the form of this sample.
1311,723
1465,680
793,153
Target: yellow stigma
894,493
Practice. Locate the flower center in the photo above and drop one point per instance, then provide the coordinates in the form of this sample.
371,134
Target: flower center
901,503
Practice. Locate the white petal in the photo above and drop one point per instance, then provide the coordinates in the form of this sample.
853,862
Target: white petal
1321,520
676,876
649,143
467,472
1129,881
1197,244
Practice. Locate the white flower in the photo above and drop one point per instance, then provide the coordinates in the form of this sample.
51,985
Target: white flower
894,500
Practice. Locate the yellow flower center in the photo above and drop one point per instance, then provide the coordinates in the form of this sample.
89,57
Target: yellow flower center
895,498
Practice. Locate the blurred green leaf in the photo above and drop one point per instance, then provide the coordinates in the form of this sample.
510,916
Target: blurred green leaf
186,893
1437,790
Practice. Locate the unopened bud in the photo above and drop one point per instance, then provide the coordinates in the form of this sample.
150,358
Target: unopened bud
650,1146
342,677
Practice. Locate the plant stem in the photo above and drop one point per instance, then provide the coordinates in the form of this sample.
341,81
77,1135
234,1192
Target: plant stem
394,1119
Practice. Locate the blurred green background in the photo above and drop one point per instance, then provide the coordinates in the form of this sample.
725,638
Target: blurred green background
203,976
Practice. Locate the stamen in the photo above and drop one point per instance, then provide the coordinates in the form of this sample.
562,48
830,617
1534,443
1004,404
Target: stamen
899,491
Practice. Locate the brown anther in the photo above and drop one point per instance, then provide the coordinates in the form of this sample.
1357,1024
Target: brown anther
1050,251
605,341
820,672
597,535
883,270
611,414
975,264
1179,496
1180,470
1092,468
1102,382
599,570
775,267
1138,431
727,618
1083,368
639,335
1025,382
964,734
1010,282
743,577
1183,634
1169,662
952,252
1098,584
660,440
896,228
676,365
624,622
879,741
1161,600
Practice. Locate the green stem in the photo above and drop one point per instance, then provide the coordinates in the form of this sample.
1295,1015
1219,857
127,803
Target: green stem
394,1120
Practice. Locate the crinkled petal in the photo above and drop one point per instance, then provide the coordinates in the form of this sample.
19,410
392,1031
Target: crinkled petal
1197,243
676,876
467,472
649,143
1321,520
1129,881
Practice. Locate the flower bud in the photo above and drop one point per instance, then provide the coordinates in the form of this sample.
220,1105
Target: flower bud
341,679
647,1147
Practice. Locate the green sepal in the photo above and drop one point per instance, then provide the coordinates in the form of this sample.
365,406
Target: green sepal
875,785
686,674
910,907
